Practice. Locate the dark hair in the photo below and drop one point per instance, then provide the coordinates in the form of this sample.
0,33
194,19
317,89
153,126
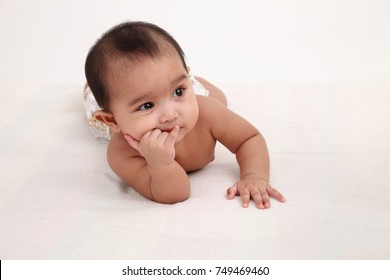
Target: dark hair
128,41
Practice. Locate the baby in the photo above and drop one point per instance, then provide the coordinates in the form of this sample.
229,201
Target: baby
159,128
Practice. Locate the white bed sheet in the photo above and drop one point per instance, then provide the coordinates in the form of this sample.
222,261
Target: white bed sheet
330,156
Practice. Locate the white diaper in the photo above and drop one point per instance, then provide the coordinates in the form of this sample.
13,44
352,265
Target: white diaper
99,129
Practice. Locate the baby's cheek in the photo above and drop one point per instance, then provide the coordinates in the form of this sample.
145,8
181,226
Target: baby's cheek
137,127
137,134
134,134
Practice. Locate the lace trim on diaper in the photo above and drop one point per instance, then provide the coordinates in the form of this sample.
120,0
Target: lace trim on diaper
97,128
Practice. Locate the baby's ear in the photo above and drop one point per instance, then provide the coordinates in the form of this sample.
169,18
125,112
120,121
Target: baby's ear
107,118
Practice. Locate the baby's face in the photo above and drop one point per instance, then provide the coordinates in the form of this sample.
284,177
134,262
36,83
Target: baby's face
155,94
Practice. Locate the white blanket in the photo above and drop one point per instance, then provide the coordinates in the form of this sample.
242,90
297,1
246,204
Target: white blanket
330,156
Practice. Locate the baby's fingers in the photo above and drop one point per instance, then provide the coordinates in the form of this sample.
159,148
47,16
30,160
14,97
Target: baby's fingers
132,142
232,192
275,194
261,199
171,139
245,197
257,198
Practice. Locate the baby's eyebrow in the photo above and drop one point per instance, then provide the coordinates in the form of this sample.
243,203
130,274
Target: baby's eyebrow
146,96
180,78
137,100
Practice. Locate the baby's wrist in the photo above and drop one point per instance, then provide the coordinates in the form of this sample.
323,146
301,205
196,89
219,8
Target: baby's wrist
160,167
158,161
254,177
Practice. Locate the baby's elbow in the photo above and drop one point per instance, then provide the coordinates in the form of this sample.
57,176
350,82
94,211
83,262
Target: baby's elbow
177,198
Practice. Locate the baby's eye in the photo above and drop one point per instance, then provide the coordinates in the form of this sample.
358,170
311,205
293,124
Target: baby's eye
146,106
178,92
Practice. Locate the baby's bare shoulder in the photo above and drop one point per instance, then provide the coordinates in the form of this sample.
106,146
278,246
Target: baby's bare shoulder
226,126
214,113
210,107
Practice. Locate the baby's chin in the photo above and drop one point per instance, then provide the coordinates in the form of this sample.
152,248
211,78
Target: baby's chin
182,134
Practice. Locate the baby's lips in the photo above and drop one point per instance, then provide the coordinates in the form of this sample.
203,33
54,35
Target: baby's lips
169,130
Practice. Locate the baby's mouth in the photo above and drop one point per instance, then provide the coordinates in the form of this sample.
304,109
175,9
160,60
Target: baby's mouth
168,129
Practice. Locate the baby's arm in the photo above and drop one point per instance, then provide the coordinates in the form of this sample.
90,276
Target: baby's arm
244,140
252,157
155,174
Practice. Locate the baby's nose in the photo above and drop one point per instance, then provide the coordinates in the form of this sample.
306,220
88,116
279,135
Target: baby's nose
168,115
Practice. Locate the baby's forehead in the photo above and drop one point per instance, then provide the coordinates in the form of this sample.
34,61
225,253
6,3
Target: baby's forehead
127,70
130,61
126,66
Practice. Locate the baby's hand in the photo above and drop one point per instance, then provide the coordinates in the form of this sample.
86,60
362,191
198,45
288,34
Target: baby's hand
260,191
157,147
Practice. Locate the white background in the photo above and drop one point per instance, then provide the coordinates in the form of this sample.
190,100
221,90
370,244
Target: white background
292,269
46,41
